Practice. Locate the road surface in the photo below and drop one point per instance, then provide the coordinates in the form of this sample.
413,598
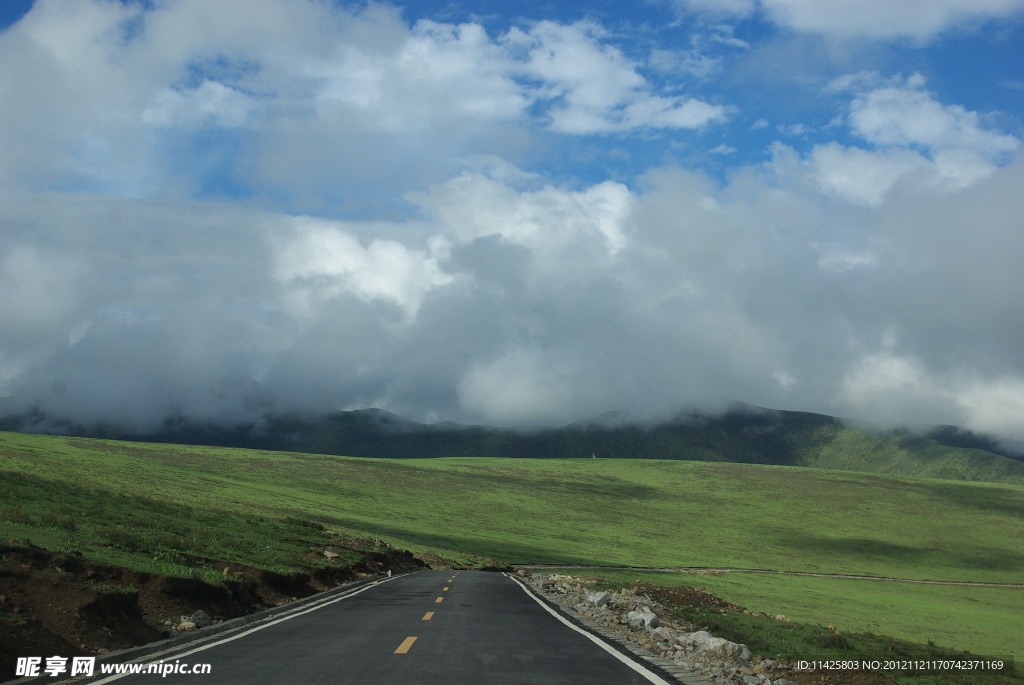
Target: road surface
431,627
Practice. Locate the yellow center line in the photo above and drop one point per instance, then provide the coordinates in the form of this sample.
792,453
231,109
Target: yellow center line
429,615
405,646
438,600
444,590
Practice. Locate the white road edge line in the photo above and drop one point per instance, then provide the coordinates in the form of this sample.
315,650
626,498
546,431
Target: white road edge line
243,633
650,675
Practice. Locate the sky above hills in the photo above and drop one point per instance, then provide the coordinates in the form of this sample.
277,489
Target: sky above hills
510,213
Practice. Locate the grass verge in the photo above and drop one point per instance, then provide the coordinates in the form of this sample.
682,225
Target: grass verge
875,620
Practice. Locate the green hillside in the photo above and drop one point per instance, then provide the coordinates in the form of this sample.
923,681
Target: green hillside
743,434
597,511
167,508
852,449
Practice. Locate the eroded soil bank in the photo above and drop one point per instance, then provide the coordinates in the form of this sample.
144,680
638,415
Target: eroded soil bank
65,605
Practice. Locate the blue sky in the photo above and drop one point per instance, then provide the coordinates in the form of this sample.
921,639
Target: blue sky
512,213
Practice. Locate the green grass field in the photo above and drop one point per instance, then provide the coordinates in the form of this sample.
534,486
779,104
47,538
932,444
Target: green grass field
631,512
983,620
853,449
141,504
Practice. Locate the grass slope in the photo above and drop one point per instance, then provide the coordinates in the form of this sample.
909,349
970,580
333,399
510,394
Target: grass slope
852,449
744,434
595,511
984,620
146,506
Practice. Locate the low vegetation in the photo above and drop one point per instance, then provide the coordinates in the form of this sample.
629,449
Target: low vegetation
148,534
741,434
160,507
874,618
588,511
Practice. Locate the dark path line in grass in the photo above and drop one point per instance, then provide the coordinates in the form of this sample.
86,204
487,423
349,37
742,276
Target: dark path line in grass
705,569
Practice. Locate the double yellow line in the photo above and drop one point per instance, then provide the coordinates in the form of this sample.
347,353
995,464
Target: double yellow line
408,642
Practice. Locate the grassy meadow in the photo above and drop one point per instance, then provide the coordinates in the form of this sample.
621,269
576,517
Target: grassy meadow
144,505
589,511
854,449
982,620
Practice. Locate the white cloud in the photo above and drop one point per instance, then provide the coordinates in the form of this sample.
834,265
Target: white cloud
784,379
211,103
698,61
794,130
577,301
885,377
959,168
995,408
548,221
911,116
440,71
520,387
861,176
662,112
724,34
719,8
122,98
836,259
879,19
882,382
578,289
920,19
695,64
570,62
38,290
905,123
594,88
318,260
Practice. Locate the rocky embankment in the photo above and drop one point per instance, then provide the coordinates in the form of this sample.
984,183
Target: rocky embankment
635,619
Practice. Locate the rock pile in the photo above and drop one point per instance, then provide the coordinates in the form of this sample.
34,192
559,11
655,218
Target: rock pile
184,624
631,618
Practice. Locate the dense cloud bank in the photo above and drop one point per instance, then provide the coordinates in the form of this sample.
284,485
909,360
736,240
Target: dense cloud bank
511,305
879,281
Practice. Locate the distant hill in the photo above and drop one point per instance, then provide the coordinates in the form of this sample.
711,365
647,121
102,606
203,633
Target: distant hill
743,434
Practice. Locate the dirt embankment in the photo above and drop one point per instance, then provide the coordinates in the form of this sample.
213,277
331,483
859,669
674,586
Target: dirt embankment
61,604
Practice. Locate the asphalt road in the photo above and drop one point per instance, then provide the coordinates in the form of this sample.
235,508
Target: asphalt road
432,627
